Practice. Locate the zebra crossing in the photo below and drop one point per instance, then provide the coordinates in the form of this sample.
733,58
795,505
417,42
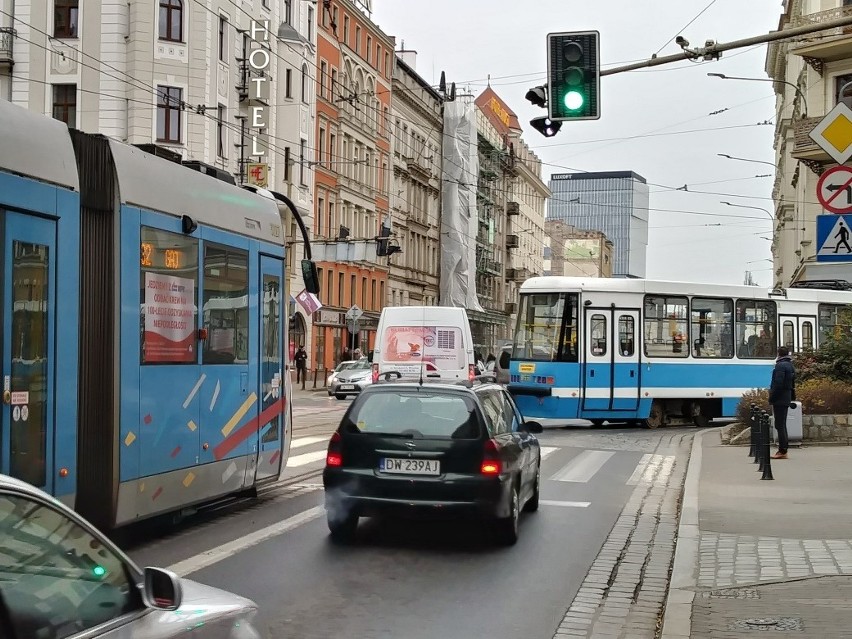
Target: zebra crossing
307,454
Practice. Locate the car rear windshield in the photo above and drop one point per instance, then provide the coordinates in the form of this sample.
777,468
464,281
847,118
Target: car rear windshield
415,413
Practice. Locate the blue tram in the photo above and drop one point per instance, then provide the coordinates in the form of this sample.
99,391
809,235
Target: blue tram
655,352
143,330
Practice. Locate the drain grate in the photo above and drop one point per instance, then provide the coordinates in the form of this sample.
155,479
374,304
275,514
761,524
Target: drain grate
732,593
769,624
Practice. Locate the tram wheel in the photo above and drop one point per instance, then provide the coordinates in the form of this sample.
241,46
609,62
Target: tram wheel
655,418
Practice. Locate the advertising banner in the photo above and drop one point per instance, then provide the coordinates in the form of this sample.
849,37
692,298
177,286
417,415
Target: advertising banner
438,345
169,322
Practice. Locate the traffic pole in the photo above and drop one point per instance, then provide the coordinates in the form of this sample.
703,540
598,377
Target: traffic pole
752,420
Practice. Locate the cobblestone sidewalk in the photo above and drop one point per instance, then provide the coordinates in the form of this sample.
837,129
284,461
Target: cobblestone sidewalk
623,594
734,560
815,608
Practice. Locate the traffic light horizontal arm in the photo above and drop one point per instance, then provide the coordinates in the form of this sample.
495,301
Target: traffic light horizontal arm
772,36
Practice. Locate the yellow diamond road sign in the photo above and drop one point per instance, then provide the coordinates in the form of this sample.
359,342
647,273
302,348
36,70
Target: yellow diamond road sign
834,133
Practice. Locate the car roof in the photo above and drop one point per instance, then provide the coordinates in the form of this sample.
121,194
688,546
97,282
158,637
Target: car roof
7,482
463,386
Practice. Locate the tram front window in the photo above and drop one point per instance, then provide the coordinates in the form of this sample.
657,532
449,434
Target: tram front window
547,328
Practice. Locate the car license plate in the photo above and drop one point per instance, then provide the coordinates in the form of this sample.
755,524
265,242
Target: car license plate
410,466
347,387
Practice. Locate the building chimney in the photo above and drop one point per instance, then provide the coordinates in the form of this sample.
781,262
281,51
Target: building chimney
409,57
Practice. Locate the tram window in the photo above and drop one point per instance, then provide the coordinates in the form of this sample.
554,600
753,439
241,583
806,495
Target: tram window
807,336
626,335
756,329
832,319
168,293
539,335
712,328
225,305
788,334
597,335
666,326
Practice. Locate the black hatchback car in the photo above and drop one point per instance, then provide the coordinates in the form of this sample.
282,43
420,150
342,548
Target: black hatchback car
451,449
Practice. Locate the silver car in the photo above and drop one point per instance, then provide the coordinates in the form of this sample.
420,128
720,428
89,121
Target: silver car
60,577
353,380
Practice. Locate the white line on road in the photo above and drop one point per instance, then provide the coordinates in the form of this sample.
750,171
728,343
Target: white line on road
584,466
305,458
640,469
547,450
215,555
565,504
307,441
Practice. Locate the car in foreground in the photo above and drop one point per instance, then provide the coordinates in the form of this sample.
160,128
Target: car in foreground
447,449
352,380
60,577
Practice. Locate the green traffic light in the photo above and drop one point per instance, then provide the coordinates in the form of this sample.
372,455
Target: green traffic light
573,100
99,571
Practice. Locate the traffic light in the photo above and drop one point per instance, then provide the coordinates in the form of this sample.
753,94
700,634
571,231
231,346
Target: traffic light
547,127
573,75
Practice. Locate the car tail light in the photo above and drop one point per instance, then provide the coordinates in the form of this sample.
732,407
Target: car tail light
375,373
334,457
471,372
491,464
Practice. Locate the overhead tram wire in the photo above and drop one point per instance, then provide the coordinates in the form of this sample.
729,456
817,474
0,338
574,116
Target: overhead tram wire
700,13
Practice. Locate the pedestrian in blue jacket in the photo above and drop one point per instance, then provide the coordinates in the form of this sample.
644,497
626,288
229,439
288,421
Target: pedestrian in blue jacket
782,391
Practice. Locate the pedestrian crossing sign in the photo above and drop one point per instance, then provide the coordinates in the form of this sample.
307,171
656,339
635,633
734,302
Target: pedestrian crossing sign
834,238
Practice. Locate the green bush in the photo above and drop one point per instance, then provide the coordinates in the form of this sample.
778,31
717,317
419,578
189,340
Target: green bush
833,360
819,396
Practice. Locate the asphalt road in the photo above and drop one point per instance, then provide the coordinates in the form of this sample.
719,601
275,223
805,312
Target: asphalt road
410,579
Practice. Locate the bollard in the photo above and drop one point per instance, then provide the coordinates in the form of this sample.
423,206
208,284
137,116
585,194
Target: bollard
752,421
758,449
767,454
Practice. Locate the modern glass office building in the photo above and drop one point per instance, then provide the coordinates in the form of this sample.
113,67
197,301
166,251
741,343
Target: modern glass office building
613,202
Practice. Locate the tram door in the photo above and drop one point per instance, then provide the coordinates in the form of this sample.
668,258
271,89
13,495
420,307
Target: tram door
29,340
797,332
273,428
611,351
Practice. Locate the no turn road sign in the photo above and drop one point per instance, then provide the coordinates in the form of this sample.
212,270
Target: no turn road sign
834,190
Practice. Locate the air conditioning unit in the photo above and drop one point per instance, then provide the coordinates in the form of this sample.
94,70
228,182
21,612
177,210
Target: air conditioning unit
513,208
511,308
513,241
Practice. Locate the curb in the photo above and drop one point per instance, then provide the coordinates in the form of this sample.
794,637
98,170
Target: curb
677,615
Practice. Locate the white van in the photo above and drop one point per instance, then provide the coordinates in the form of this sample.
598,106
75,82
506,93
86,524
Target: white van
432,341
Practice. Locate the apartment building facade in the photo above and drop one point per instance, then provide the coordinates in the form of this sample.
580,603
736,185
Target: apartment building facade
574,252
818,69
416,187
354,75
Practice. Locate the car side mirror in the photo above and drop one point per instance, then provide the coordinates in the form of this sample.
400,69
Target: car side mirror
162,589
533,427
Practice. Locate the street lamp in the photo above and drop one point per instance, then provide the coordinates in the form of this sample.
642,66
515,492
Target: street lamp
722,76
731,157
756,208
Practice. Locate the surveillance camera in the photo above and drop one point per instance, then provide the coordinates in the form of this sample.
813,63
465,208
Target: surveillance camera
682,42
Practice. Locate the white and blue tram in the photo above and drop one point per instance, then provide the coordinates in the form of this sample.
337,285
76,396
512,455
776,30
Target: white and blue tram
655,352
143,332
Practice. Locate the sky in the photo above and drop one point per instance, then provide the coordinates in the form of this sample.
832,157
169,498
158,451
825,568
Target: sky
667,124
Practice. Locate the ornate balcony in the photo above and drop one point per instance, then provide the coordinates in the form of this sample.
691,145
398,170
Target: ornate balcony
7,37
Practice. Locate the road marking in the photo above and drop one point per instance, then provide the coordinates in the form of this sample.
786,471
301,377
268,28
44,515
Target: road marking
565,504
307,441
584,466
640,468
215,555
648,468
305,458
547,450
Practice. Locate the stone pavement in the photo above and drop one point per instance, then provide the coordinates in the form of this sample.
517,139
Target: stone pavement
623,593
763,556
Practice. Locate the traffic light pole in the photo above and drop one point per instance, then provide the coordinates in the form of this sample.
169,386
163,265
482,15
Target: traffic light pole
712,51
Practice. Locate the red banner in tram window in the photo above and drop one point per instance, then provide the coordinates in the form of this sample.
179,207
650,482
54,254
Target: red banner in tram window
169,319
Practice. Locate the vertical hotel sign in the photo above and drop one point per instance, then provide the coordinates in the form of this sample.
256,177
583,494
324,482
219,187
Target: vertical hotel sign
259,60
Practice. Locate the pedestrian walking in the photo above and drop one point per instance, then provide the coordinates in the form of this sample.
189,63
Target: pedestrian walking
301,359
782,391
